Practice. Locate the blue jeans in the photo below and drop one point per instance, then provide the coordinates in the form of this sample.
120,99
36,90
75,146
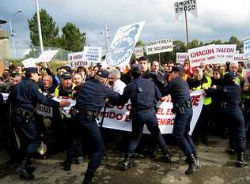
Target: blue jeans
181,130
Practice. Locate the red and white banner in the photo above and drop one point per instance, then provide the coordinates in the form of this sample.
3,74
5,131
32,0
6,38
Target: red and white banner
118,117
181,57
205,54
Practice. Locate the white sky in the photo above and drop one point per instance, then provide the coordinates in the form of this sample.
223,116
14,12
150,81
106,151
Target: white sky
217,19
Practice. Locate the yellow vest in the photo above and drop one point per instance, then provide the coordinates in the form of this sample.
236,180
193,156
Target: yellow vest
71,95
207,100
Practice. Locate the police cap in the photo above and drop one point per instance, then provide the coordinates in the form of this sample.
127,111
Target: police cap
66,75
229,77
103,73
176,69
136,69
31,70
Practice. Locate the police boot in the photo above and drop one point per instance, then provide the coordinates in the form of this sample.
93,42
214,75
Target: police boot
166,156
88,179
127,163
67,164
22,170
29,167
192,165
241,161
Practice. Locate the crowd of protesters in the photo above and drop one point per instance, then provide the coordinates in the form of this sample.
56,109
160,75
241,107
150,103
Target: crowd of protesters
67,82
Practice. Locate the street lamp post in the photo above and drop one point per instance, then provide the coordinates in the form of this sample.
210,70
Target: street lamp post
39,26
12,34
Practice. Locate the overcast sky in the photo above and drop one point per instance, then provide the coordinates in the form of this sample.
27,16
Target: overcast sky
217,19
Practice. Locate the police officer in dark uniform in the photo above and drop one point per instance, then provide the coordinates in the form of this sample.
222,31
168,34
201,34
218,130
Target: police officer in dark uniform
182,107
23,98
90,101
230,94
144,95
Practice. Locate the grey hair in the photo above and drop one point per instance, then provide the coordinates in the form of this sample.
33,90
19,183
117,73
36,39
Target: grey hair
115,72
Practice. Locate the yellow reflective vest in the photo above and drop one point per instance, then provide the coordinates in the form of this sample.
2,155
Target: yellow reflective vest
207,100
57,90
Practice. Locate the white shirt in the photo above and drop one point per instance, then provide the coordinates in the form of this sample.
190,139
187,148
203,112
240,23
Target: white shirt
119,86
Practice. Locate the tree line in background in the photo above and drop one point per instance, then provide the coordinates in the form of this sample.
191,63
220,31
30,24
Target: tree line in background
72,39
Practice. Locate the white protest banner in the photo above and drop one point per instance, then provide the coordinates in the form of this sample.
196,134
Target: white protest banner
225,53
159,46
205,54
123,44
118,116
47,56
31,62
77,59
247,49
93,54
181,57
66,110
44,110
238,57
186,5
138,52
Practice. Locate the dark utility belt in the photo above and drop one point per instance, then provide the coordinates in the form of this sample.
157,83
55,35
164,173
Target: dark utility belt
90,115
182,107
26,115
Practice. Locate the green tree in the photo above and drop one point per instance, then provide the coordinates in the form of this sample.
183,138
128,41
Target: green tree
72,39
235,40
49,30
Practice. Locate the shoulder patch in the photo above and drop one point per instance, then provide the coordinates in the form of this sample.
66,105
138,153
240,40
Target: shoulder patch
39,90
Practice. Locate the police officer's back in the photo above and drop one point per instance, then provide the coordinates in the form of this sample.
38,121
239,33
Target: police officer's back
144,95
89,102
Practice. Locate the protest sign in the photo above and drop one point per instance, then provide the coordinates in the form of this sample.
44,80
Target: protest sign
123,44
77,59
118,117
159,46
239,57
138,52
186,5
44,110
31,62
225,53
47,56
247,49
66,110
93,54
205,54
181,57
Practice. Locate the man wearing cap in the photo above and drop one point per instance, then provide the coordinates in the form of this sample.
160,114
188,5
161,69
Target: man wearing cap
23,98
90,101
144,95
182,107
